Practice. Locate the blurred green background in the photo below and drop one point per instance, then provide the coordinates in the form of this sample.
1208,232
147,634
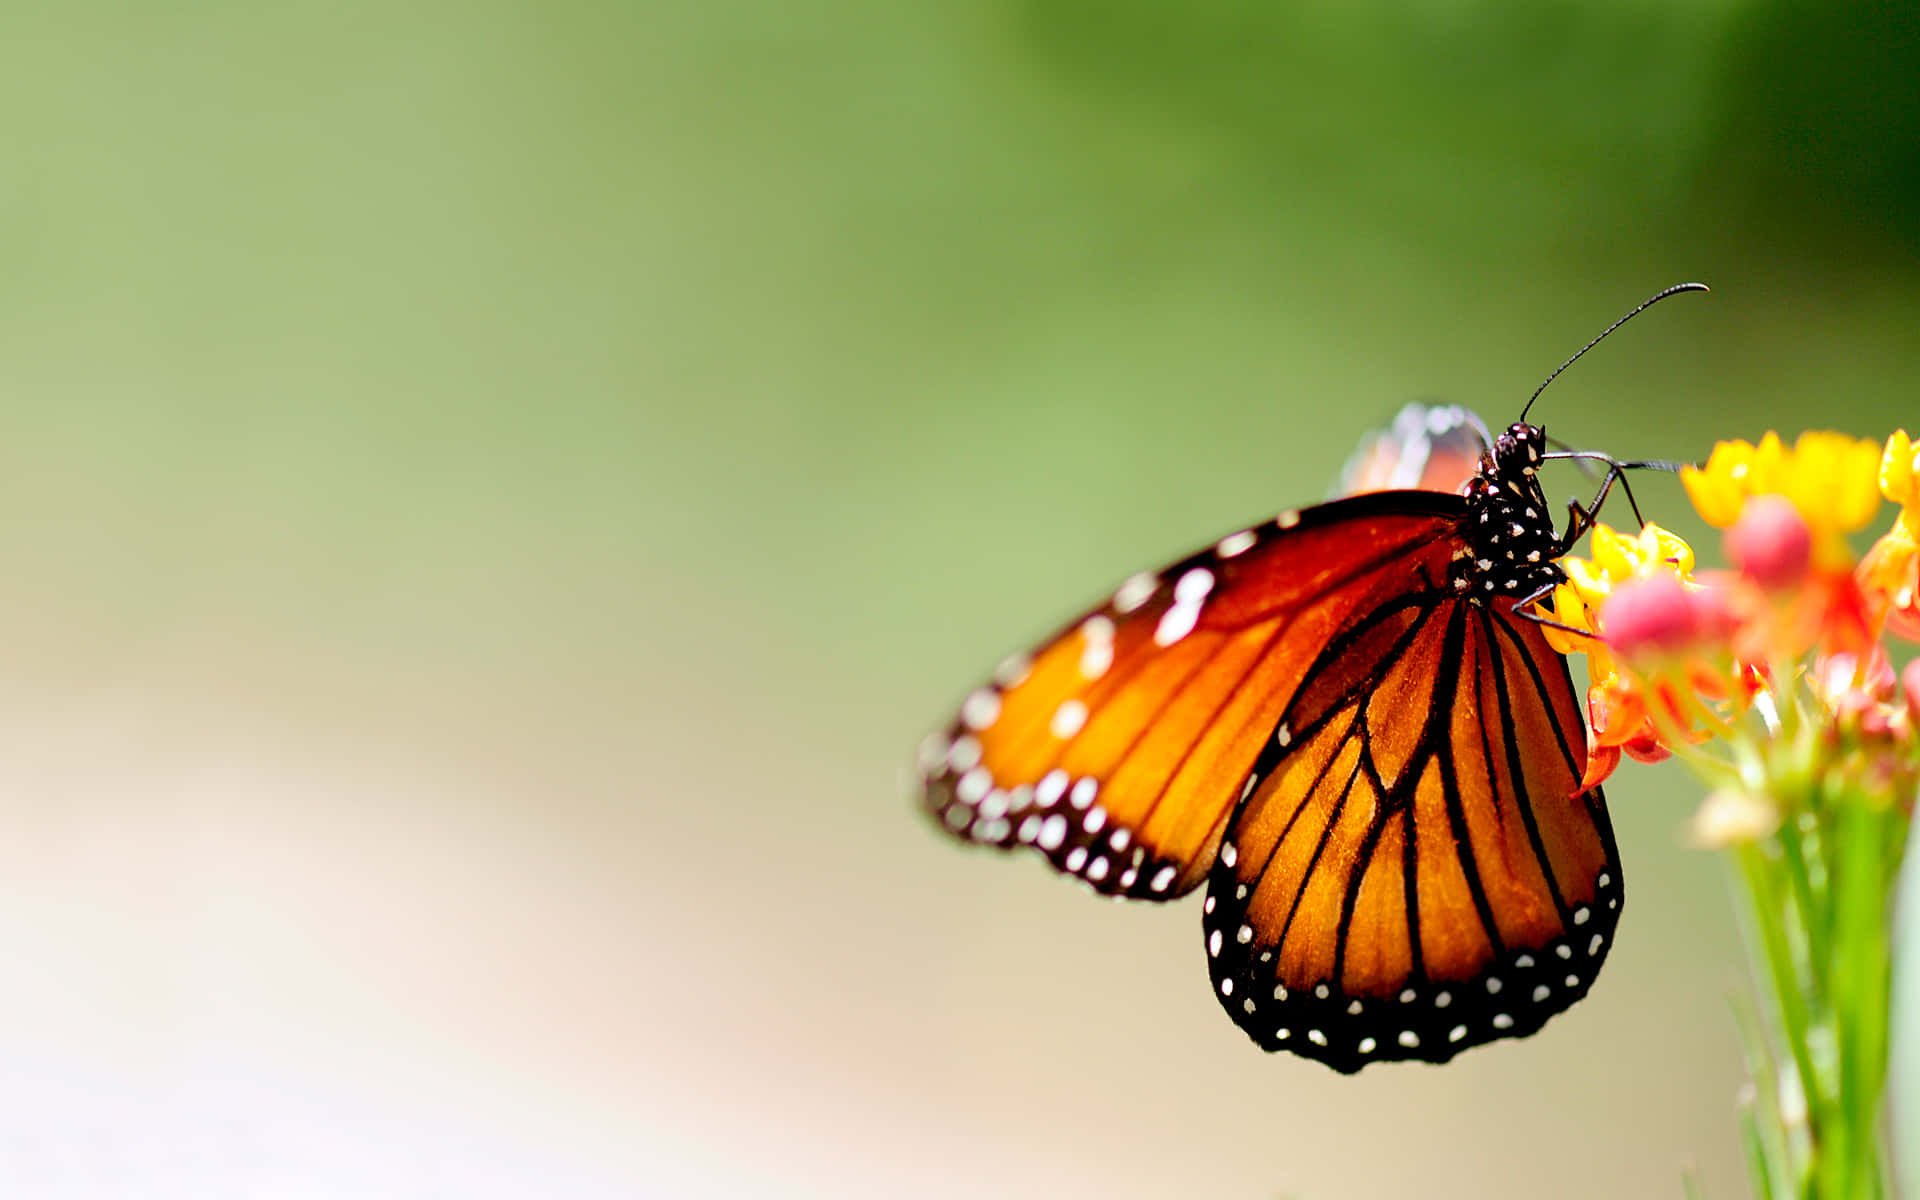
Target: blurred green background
493,495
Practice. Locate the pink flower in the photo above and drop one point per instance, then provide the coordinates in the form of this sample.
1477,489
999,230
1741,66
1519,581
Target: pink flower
1771,543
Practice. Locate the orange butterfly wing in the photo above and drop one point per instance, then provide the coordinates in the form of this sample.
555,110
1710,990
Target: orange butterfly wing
1413,874
1119,749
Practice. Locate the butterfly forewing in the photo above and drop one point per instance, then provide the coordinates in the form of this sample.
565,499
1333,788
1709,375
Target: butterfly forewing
1119,748
1405,884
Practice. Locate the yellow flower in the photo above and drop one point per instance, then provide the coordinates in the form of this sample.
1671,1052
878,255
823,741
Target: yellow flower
1616,556
1890,572
1835,482
1900,470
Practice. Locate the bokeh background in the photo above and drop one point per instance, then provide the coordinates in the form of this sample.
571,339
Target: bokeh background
491,495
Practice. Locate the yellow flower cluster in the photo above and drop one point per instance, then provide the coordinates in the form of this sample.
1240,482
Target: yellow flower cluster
1755,630
1832,479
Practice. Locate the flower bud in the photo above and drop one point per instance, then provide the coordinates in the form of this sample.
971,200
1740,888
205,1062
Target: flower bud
1771,543
1650,614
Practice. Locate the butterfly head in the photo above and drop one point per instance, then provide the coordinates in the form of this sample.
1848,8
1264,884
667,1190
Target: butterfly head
1517,452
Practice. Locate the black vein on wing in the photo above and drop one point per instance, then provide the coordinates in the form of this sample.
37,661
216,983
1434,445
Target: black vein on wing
1362,684
1260,876
1517,774
1320,847
1227,698
1540,688
1457,812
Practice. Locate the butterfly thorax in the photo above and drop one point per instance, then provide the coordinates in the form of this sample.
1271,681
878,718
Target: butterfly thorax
1511,542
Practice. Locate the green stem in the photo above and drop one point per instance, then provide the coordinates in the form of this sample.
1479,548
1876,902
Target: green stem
1817,895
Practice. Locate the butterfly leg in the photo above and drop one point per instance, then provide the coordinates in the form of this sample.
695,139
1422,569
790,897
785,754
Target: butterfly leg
1581,519
1523,608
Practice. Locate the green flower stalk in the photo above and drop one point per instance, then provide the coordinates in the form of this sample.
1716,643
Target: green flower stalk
1773,682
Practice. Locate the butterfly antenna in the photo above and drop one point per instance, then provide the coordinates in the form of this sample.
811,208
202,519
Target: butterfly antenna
1655,299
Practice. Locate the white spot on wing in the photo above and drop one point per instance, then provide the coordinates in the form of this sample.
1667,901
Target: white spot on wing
1136,591
982,709
965,754
1068,718
1235,544
1053,831
1193,587
1053,785
1176,623
1095,659
974,785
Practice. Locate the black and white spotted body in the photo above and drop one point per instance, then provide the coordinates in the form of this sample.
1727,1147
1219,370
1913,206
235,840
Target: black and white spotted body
1513,545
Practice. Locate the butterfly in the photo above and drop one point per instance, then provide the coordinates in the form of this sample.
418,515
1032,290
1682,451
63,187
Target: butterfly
1346,724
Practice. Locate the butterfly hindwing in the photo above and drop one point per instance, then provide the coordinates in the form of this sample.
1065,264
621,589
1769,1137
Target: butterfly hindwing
1413,873
1429,447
